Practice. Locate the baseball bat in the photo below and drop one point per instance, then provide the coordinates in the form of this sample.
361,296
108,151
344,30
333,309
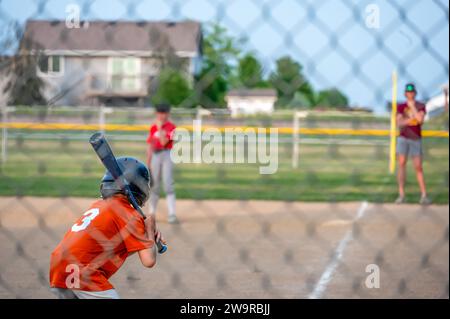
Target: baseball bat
106,155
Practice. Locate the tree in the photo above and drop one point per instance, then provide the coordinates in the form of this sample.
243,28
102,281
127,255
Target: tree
288,79
332,98
210,88
308,94
24,86
166,52
301,101
220,56
172,88
250,72
221,50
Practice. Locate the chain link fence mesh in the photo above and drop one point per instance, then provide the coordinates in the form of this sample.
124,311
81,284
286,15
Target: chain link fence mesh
326,229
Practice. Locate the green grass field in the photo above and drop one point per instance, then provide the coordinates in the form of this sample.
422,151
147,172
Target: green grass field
61,167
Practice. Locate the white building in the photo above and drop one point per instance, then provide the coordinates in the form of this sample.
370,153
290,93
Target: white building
251,101
438,104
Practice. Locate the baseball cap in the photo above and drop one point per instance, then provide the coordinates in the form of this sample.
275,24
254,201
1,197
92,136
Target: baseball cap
410,87
162,108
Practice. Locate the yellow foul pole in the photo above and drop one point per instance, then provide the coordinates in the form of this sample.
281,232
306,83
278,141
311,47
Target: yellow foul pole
393,149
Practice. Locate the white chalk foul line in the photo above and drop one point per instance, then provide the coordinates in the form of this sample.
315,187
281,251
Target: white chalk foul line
327,275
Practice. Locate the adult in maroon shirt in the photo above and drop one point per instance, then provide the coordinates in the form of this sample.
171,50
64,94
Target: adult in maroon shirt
410,118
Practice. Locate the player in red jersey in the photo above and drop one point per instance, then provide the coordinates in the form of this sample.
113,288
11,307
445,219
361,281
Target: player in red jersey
160,143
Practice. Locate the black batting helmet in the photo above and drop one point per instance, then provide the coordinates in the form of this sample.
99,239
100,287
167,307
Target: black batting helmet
136,174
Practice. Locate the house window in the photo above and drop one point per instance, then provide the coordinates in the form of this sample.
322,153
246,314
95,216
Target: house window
125,74
50,65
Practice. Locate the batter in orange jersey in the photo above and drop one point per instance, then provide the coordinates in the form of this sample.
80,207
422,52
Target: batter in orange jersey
99,242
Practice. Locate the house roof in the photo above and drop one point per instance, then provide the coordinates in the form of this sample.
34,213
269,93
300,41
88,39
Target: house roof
252,93
184,37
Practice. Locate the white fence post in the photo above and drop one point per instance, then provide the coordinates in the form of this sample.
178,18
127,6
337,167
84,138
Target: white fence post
102,117
296,138
202,112
4,111
4,134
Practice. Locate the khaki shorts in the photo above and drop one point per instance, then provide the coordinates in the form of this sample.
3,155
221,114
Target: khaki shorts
81,294
409,147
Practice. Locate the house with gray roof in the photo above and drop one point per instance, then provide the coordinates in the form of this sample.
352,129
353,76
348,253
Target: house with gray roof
110,63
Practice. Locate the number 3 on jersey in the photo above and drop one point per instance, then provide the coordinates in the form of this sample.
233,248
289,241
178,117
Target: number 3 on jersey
88,218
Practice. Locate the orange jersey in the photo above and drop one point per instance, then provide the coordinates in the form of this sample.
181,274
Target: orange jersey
96,246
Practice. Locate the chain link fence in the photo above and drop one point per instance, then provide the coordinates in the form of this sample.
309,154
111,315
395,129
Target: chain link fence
322,226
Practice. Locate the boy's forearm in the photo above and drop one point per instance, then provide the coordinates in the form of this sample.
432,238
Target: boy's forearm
401,121
163,138
152,251
417,114
151,236
150,225
164,141
420,117
148,256
151,232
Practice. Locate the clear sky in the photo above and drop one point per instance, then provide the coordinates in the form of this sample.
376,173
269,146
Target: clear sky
412,33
